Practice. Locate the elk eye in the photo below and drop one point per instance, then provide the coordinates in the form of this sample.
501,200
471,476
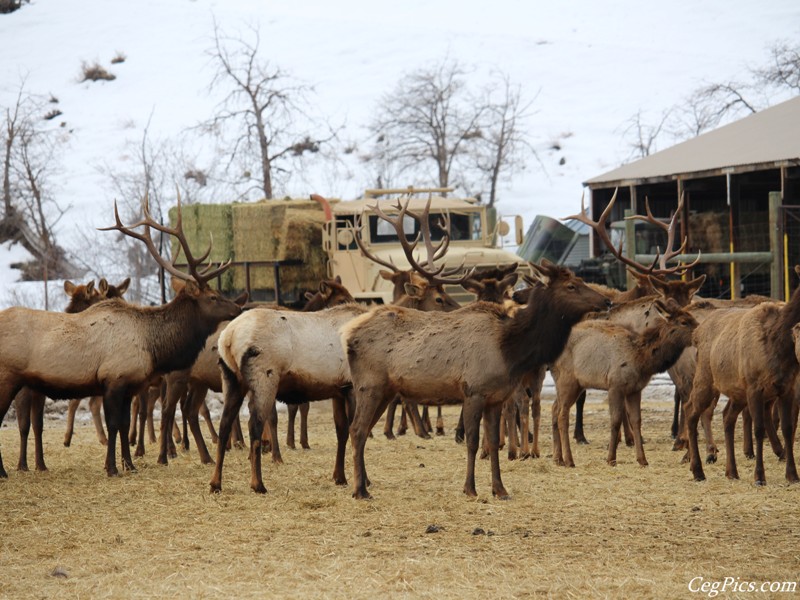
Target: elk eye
571,287
439,300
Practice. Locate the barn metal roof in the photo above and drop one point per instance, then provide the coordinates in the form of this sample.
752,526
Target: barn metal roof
768,138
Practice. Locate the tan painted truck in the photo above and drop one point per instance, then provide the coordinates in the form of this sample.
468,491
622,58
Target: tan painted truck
474,234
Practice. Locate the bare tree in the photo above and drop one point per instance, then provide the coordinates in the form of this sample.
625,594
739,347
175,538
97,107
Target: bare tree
30,210
430,118
265,112
502,145
783,71
641,136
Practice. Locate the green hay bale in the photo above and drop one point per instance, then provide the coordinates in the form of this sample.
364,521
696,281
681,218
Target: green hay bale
205,224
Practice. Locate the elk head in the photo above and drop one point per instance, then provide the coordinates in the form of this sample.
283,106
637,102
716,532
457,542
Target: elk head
423,286
108,290
331,293
211,307
81,296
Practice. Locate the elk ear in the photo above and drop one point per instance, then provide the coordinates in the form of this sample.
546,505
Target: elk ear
191,288
413,290
338,279
102,285
177,284
69,287
661,309
658,284
696,284
308,295
241,299
474,286
387,275
123,287
509,281
538,275
325,289
797,270
90,287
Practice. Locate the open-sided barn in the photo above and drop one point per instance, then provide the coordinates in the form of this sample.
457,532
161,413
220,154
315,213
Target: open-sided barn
741,188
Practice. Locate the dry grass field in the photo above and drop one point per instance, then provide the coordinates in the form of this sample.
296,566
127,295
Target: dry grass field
591,531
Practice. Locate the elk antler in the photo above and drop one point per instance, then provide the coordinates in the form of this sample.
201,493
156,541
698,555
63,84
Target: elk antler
669,253
435,275
600,229
201,276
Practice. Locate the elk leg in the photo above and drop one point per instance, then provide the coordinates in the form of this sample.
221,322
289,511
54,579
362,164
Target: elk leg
460,428
72,408
491,431
772,433
185,427
421,424
150,404
700,399
232,403
143,419
304,408
388,424
536,414
616,409
95,403
747,434
259,411
111,409
473,407
125,447
7,393
292,414
402,427
633,408
705,420
132,433
755,402
204,412
238,435
729,416
196,400
522,402
272,423
22,406
177,388
580,438
342,425
369,405
509,410
568,392
37,419
676,414
627,431
439,421
787,428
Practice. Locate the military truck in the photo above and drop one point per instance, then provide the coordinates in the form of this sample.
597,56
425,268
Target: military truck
475,238
282,248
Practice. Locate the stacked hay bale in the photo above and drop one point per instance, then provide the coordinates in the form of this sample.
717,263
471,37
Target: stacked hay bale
263,231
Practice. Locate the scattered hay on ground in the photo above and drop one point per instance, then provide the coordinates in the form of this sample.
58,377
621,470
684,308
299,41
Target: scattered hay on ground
591,531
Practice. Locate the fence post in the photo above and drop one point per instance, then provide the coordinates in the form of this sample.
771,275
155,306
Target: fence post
775,246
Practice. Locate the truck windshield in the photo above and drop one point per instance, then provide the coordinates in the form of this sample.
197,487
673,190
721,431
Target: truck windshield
381,232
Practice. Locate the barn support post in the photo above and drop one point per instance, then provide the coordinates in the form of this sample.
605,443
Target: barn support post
630,245
775,246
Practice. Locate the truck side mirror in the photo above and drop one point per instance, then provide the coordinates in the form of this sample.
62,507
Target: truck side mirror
519,233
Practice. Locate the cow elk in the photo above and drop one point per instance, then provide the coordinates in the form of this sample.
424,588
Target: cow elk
748,355
605,355
475,356
112,348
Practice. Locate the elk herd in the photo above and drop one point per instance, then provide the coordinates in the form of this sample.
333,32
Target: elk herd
489,357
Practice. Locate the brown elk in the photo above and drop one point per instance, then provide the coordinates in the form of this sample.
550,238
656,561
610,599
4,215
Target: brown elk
298,357
416,288
605,355
651,277
191,385
79,300
475,356
748,355
112,348
29,404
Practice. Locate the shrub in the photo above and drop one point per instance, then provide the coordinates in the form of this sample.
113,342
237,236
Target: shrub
119,57
95,72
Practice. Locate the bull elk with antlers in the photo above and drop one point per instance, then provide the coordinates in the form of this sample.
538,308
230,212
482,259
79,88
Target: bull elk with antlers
112,348
475,356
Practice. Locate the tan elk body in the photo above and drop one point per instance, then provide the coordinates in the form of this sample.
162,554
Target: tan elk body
475,355
608,356
748,355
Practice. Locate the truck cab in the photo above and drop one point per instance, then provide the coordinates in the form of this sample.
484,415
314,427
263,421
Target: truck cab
474,236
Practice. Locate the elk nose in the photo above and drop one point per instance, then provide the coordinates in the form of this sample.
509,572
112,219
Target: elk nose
609,304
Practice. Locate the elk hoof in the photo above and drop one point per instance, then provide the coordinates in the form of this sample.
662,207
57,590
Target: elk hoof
470,492
711,459
582,440
278,460
525,456
22,468
389,435
760,483
339,480
700,477
440,431
216,488
102,443
362,495
291,445
611,462
305,446
259,488
749,455
678,445
502,495
459,437
644,462
68,442
512,456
